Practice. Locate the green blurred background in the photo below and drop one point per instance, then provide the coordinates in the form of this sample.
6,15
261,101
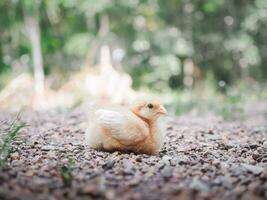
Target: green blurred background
166,46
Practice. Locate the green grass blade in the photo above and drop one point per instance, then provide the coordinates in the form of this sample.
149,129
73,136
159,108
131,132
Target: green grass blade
6,144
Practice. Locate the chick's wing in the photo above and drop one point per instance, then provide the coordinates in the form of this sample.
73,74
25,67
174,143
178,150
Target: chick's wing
123,126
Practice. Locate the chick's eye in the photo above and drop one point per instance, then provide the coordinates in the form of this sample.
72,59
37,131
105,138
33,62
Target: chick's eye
150,106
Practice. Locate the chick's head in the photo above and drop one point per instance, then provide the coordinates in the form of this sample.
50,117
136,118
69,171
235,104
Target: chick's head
149,110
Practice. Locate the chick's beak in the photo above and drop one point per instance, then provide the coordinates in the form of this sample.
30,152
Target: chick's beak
162,110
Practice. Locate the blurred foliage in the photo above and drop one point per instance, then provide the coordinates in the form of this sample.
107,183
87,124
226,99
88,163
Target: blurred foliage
230,105
164,45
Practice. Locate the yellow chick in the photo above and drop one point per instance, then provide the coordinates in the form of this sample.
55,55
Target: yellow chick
136,129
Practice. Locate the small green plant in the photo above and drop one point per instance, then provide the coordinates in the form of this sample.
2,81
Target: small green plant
5,145
66,172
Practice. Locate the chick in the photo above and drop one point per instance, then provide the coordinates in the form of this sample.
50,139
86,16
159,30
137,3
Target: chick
136,129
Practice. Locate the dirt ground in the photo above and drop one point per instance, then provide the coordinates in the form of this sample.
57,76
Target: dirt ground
203,157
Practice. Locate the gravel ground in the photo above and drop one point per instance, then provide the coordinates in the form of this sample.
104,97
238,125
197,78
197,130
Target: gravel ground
202,158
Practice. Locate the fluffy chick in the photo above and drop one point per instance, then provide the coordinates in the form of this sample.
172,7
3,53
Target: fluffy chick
136,129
